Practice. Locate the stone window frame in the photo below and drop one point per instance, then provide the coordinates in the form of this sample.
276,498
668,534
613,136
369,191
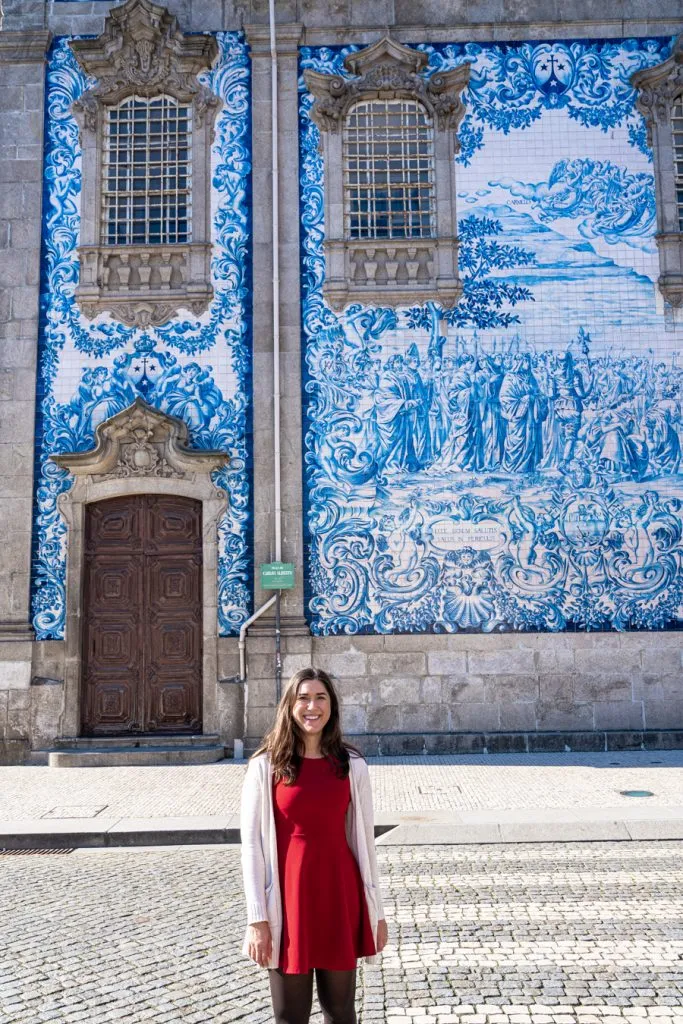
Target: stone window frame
396,271
658,89
143,52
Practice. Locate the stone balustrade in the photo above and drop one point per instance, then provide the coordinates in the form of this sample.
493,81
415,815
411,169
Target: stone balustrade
392,272
141,284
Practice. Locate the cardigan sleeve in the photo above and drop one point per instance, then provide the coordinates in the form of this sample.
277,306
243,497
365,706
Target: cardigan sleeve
368,817
253,857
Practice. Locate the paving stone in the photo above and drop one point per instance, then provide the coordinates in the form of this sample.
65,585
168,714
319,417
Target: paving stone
460,783
542,933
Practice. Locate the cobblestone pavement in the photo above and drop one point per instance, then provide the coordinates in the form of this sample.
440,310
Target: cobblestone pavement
466,782
585,933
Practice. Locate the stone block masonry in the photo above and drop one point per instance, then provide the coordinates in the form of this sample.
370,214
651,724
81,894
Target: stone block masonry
524,685
403,692
22,55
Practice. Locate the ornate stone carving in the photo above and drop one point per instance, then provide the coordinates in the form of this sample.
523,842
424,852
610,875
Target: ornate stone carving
143,52
405,269
658,89
142,285
388,70
140,458
396,271
141,441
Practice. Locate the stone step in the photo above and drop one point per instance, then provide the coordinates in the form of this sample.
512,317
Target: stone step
138,755
132,741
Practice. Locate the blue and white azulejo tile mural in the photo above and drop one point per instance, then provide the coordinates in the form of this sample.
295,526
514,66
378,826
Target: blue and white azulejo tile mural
195,368
524,469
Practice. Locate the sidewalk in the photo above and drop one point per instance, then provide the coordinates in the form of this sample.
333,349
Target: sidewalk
497,798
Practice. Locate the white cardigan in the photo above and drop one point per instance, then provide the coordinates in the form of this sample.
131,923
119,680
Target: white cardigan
259,849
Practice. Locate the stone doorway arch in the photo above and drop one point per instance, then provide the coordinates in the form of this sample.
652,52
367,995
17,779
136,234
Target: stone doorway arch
140,450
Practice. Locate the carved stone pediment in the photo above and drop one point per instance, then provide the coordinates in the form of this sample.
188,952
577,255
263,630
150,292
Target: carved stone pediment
388,70
141,441
658,87
143,51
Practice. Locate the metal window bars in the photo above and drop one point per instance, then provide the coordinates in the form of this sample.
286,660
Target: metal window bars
146,177
677,133
388,155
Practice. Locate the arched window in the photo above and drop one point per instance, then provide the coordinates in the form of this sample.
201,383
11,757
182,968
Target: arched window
387,136
677,131
147,179
388,153
146,128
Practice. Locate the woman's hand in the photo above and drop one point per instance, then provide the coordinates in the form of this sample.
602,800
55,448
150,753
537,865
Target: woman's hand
260,942
382,935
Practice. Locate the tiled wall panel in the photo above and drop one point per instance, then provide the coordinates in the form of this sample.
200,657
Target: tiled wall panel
195,368
522,471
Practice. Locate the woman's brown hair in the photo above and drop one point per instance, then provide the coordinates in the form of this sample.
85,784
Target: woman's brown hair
284,742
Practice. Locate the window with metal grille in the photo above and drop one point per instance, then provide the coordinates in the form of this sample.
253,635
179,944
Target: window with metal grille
389,170
147,172
677,130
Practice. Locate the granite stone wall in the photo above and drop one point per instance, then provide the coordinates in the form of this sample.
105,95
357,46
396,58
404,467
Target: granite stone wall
535,692
518,689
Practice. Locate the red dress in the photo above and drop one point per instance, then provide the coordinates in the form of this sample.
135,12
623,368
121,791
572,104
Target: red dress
325,920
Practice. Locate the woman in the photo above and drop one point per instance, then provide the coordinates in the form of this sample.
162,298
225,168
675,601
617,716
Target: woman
308,857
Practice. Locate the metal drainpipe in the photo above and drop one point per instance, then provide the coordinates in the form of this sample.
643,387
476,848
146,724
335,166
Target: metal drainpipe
239,744
276,332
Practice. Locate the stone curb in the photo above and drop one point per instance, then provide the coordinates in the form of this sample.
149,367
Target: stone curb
178,832
531,832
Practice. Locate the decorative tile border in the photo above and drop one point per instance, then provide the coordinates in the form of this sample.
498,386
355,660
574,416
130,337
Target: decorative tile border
198,369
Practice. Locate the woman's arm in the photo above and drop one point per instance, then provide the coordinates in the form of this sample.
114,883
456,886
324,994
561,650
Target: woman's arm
259,939
253,858
365,799
367,811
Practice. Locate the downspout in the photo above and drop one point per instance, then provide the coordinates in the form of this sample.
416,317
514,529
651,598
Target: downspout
239,744
276,282
275,599
274,132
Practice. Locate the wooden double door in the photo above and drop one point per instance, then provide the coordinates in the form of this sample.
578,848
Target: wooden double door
142,616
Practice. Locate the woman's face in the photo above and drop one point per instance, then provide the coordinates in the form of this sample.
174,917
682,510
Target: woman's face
312,708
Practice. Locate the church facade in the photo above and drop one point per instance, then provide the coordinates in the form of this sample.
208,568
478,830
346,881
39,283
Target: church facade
474,461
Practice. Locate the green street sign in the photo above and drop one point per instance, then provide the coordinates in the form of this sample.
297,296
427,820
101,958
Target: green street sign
277,575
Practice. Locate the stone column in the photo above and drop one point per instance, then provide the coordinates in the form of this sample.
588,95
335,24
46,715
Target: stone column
295,639
22,77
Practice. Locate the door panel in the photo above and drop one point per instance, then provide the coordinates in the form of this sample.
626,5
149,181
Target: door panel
142,640
172,525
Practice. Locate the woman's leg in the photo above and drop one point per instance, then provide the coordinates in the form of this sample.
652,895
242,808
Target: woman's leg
292,995
337,995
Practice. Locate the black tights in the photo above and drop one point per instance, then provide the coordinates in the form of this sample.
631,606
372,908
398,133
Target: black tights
292,996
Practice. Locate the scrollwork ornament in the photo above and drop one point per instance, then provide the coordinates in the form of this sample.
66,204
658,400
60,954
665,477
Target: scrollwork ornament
142,459
658,87
142,50
206,105
655,102
387,69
